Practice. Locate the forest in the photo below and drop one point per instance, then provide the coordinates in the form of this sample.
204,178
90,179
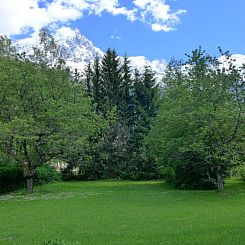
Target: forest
112,121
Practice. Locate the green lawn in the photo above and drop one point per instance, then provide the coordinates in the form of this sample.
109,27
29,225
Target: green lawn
123,212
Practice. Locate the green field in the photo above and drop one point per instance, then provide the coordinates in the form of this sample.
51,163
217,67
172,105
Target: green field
123,212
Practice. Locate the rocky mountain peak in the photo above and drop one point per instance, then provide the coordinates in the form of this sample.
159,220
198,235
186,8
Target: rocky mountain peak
77,50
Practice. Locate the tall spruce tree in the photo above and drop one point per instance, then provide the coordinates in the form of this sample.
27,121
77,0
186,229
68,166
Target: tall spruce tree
88,79
132,102
111,78
126,107
145,95
98,88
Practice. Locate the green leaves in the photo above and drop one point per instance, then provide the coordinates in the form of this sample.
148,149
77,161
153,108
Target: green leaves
44,113
201,111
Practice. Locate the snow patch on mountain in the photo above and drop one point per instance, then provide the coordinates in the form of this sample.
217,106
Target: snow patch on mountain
237,60
158,66
78,51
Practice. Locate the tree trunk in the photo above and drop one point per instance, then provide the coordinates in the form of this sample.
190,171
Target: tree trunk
29,184
220,180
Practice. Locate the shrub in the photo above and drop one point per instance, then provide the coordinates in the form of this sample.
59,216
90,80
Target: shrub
138,175
45,174
192,175
242,172
11,177
89,171
192,172
168,174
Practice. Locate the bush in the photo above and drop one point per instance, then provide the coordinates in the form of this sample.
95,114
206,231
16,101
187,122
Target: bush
45,174
191,173
168,174
11,177
242,172
83,171
138,175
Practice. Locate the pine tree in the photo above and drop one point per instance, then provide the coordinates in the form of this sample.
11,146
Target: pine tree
126,107
98,90
88,79
132,102
111,78
145,94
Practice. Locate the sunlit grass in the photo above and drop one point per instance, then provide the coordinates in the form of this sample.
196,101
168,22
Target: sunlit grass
123,212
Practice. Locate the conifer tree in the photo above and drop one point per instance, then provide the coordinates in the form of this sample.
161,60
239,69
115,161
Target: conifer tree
88,79
97,86
126,108
111,78
133,103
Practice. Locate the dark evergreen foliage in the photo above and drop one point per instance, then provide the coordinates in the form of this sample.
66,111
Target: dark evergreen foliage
129,101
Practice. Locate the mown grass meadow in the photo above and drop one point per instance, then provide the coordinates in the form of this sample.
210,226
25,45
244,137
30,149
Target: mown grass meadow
123,212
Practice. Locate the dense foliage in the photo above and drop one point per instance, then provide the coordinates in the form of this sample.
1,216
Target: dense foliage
95,125
198,134
44,113
12,178
128,101
115,122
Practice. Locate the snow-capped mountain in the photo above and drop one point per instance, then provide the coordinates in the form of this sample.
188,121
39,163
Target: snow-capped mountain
77,51
237,60
158,66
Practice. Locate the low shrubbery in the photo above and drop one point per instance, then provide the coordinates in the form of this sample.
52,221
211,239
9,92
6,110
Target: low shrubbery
98,172
11,176
46,174
135,175
238,172
243,173
191,173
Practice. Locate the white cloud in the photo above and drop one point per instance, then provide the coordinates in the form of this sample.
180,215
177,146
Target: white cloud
141,3
158,14
115,37
161,27
64,32
112,7
19,16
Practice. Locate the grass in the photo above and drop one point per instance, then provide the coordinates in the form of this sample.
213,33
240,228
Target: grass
123,212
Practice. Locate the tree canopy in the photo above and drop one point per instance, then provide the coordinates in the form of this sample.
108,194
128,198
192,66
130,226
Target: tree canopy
200,124
44,114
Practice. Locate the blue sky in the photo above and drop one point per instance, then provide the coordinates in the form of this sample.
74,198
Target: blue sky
209,23
181,26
